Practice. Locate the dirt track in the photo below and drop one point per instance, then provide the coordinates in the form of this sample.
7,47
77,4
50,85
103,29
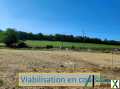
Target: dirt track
14,61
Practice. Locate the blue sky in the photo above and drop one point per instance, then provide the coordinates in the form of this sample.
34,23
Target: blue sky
97,18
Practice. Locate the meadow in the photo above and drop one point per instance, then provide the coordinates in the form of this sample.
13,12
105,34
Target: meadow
70,45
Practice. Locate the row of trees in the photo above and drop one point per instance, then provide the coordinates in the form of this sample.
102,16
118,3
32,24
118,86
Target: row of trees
61,37
12,36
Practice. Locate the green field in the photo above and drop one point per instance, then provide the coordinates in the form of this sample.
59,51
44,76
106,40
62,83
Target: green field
58,44
69,44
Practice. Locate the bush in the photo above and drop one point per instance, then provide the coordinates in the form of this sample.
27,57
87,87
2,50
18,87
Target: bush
49,46
73,47
22,45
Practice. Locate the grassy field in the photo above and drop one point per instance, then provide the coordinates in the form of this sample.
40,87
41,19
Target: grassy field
69,44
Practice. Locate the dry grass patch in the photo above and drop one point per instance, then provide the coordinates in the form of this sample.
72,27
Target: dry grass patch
15,61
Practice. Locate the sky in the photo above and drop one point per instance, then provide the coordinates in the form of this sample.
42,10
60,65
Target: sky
94,18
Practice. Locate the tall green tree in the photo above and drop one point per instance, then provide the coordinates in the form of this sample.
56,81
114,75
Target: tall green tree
10,38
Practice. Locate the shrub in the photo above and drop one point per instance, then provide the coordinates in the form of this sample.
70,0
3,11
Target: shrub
73,47
49,46
21,45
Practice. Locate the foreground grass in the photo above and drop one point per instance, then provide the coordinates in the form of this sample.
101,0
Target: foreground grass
69,44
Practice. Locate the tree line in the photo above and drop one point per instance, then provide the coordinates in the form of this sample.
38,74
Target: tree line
11,35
